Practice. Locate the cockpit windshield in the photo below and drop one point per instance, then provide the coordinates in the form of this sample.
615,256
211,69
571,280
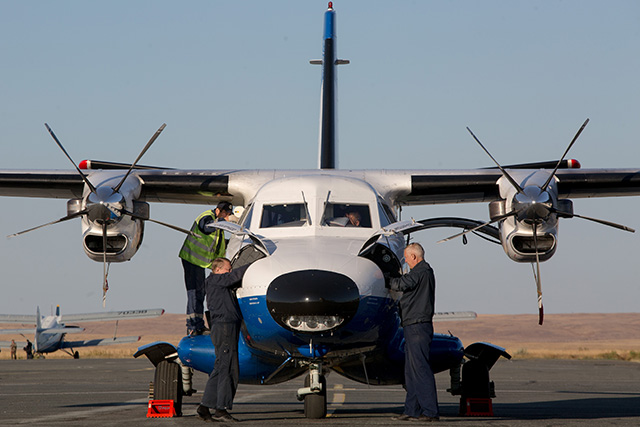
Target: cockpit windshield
346,215
285,215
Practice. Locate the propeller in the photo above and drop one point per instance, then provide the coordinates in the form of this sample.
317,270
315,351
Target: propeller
105,270
104,205
534,205
536,275
65,218
144,150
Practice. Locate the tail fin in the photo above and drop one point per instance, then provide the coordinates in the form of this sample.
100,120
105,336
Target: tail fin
36,337
38,319
327,154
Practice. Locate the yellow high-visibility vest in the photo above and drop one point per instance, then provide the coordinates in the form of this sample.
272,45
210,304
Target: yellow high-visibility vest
202,250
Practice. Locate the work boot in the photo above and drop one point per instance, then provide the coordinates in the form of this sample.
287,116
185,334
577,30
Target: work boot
403,417
426,419
203,413
224,416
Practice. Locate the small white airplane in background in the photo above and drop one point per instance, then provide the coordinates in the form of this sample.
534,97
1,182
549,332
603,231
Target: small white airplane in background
50,331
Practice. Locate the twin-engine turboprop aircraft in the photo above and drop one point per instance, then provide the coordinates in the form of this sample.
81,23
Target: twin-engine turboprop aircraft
50,331
319,243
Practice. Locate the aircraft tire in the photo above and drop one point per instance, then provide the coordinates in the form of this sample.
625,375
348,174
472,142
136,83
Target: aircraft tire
315,405
76,355
168,384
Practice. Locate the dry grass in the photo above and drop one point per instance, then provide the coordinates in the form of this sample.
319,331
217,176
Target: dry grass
563,336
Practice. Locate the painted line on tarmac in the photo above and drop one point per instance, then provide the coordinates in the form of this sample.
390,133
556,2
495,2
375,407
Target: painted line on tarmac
73,415
338,400
72,393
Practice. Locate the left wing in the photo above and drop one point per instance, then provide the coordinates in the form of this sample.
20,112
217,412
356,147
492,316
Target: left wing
114,315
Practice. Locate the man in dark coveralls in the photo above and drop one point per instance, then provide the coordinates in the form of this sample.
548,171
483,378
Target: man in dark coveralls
226,318
416,312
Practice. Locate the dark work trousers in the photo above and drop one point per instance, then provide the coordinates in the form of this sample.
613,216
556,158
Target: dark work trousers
421,398
223,381
194,281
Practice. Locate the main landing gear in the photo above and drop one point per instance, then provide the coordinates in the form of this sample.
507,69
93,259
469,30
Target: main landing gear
314,393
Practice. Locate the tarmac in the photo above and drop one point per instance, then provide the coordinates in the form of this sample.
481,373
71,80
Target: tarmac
114,392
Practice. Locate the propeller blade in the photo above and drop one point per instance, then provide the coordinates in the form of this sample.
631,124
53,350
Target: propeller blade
84,177
173,227
471,230
65,218
105,285
536,275
544,187
504,172
144,150
599,221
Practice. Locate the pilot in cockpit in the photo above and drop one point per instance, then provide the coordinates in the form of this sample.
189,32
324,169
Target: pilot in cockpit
354,218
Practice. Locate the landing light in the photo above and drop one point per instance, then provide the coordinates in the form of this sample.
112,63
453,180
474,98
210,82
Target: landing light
313,323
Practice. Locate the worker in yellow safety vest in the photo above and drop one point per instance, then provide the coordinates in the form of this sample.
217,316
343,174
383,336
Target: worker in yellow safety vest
197,253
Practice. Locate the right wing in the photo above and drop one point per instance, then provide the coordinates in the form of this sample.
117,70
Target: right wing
448,316
17,318
17,331
98,342
7,344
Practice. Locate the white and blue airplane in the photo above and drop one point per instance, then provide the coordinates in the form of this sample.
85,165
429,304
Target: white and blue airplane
50,331
314,297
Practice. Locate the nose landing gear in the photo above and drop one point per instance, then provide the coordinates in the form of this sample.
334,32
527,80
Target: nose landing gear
314,393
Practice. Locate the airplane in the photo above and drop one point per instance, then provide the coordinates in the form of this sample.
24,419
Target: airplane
50,331
314,298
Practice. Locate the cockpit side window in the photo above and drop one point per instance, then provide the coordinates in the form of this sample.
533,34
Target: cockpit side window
245,218
388,213
346,215
384,218
285,215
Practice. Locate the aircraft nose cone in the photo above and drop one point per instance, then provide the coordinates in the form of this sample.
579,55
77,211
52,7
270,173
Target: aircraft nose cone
312,300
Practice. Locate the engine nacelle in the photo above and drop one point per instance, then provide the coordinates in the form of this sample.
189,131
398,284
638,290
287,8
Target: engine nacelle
124,237
517,236
123,240
518,241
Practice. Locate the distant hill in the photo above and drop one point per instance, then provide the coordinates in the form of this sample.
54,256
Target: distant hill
561,335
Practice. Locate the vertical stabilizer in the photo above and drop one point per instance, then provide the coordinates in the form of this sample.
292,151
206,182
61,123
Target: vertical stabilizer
38,319
327,154
36,338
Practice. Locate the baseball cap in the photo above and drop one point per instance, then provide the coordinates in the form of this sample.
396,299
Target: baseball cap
225,206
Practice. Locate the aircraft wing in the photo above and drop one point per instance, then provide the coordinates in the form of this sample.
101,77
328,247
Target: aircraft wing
407,187
480,185
17,331
454,316
17,318
97,342
65,330
113,315
7,344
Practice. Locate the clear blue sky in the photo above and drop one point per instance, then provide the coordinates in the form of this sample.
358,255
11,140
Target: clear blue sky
233,83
